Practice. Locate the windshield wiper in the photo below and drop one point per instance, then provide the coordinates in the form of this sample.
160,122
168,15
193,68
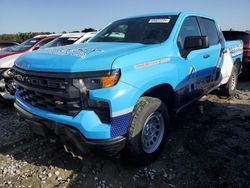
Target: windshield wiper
149,42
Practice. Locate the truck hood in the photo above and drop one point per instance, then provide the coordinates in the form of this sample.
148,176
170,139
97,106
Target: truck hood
76,58
8,61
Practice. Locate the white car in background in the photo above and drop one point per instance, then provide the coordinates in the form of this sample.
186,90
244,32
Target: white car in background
8,57
69,38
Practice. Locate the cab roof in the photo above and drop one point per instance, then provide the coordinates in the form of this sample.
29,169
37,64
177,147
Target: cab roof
185,14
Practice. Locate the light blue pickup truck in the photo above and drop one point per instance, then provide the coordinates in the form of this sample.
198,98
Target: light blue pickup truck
120,89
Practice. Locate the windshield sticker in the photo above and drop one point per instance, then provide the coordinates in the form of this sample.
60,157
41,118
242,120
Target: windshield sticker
151,63
77,52
162,20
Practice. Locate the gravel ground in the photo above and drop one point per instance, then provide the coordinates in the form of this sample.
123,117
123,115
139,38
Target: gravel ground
209,146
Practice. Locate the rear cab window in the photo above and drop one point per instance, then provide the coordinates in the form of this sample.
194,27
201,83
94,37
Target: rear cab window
209,29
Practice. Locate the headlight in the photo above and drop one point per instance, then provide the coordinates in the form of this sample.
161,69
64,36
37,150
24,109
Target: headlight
106,80
91,83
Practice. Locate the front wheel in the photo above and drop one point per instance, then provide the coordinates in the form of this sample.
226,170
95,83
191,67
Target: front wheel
147,131
229,88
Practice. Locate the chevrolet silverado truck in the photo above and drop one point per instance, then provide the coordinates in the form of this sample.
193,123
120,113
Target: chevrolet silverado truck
118,91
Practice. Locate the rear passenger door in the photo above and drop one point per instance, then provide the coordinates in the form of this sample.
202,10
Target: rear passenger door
214,54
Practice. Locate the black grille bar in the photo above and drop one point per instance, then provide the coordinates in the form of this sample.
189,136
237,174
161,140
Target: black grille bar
57,95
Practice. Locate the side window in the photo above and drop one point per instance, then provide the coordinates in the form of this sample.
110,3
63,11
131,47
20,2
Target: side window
189,28
40,44
210,30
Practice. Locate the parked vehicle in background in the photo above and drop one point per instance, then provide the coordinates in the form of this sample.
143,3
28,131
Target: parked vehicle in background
7,43
245,37
69,38
8,57
119,90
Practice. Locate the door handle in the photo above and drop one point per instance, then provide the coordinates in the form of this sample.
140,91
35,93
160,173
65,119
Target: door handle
206,56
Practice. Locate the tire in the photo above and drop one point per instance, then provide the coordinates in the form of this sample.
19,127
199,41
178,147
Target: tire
229,88
141,134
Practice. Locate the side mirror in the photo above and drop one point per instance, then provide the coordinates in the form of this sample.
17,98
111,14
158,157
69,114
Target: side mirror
194,43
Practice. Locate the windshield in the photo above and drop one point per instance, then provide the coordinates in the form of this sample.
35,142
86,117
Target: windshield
62,41
25,45
146,30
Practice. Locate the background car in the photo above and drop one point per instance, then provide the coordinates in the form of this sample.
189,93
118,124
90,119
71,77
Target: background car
69,38
245,37
28,45
8,57
7,43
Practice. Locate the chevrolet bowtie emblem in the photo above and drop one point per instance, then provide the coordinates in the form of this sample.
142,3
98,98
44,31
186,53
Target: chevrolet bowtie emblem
59,102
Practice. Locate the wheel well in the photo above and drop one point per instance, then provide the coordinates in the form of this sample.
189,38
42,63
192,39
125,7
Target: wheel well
237,64
165,93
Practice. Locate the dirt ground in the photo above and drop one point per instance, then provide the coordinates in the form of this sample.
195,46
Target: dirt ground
209,146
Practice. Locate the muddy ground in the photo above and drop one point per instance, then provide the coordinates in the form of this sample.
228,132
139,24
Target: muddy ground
209,146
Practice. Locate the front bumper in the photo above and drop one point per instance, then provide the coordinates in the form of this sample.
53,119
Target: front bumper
71,135
86,122
3,91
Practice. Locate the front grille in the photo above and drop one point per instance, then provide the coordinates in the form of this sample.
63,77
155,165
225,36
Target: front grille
57,95
55,92
50,102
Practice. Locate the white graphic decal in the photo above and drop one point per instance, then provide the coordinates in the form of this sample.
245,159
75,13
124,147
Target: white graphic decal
151,63
236,50
77,52
122,112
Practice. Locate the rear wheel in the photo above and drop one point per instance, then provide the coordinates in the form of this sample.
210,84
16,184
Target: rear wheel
229,88
147,131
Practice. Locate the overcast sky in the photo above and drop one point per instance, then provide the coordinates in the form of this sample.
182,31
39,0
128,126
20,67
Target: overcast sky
69,15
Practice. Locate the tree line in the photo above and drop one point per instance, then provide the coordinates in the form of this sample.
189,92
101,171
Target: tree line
20,37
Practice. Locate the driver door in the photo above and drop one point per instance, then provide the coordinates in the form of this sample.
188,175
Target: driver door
194,70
